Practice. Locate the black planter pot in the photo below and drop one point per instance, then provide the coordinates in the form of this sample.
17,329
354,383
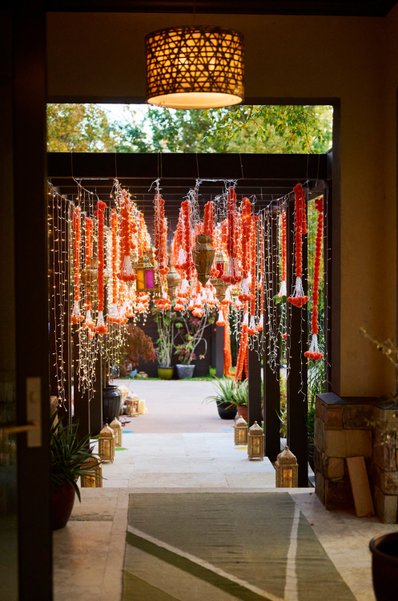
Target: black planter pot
384,551
226,410
111,402
62,501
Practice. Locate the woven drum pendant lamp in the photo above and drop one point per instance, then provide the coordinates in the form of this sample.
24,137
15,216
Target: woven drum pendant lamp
194,67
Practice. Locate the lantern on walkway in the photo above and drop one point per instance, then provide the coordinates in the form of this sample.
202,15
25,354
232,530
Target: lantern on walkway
117,431
240,431
93,476
286,470
255,443
106,444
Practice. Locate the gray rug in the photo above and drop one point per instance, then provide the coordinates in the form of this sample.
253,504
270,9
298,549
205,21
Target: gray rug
225,546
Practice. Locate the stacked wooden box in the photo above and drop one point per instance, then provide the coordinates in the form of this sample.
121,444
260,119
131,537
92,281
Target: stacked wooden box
356,427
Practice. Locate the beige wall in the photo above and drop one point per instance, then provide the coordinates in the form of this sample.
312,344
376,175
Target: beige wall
97,57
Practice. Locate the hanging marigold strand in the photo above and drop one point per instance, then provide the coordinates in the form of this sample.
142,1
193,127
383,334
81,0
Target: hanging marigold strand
126,273
298,298
283,290
260,325
160,235
231,274
113,312
314,352
76,316
227,342
100,328
88,257
243,347
253,283
208,220
246,234
187,241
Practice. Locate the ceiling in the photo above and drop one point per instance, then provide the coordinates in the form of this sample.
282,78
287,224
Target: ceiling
264,177
371,8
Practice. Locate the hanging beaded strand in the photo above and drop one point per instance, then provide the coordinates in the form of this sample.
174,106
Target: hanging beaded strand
76,316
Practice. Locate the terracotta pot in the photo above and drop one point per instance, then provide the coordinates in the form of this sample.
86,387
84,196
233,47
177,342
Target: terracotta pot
62,500
384,551
243,411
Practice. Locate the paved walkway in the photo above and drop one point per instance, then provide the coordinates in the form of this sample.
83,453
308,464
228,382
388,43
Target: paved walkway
182,444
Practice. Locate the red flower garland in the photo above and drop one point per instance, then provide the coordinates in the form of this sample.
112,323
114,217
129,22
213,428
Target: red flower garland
298,298
208,220
76,316
113,313
189,266
313,352
160,235
88,252
231,274
100,213
283,290
242,359
127,227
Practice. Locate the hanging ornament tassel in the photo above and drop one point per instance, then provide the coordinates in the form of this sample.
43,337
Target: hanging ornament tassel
299,298
314,352
100,328
76,316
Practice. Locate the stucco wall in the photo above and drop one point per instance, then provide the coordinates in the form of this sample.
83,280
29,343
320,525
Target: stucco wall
99,57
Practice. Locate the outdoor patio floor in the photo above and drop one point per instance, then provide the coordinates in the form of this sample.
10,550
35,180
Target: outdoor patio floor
182,444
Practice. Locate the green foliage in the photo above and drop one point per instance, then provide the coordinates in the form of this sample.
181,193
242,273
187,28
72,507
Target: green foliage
67,454
256,128
230,391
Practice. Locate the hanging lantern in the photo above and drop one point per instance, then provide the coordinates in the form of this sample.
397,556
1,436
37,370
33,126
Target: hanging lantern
145,273
286,470
240,431
220,263
93,476
117,431
194,67
203,255
173,281
255,443
106,444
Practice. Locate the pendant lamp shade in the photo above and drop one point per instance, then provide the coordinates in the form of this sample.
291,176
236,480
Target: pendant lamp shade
194,67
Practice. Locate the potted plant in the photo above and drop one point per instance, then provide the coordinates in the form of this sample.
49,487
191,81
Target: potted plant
224,395
67,456
240,398
165,321
191,334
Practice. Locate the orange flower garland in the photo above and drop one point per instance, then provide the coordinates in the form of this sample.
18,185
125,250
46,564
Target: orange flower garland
242,359
298,298
88,256
160,235
76,316
208,220
313,352
253,283
113,315
231,274
187,239
100,213
283,291
126,273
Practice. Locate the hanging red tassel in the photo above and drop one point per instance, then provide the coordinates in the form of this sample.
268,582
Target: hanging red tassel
298,298
76,316
314,352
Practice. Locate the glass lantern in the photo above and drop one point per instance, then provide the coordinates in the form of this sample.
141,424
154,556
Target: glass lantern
93,476
286,470
255,443
240,431
117,431
106,444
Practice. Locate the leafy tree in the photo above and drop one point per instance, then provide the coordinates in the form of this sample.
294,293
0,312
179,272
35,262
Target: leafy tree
257,129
